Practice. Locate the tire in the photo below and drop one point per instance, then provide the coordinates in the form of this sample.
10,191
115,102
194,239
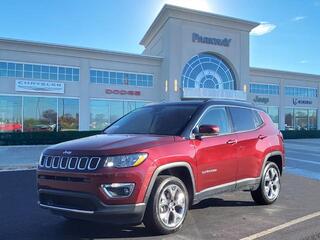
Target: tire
167,216
270,185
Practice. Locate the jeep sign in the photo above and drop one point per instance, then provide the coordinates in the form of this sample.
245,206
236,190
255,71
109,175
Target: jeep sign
263,100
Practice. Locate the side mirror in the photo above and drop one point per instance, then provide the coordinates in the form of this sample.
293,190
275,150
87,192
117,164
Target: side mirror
206,130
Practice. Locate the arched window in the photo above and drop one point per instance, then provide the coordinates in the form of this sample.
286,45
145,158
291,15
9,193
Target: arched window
207,71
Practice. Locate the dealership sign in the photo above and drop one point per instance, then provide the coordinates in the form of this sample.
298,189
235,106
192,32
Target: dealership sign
263,100
225,42
123,92
39,86
297,101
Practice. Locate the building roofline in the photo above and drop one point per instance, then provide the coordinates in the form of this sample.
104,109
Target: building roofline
171,11
282,73
77,48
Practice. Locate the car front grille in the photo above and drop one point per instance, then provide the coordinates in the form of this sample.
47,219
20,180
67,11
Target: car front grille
69,163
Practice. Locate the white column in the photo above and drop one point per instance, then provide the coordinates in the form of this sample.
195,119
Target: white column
282,105
84,96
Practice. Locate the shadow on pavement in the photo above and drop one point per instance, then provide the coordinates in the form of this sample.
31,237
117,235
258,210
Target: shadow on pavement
72,229
218,202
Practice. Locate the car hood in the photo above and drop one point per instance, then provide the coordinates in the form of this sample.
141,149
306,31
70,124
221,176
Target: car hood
111,144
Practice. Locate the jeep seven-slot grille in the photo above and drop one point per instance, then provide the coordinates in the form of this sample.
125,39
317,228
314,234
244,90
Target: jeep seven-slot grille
70,163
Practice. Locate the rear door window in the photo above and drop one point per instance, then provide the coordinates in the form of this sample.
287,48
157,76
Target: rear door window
244,119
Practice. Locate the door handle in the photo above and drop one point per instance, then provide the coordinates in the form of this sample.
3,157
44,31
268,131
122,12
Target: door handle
262,136
232,141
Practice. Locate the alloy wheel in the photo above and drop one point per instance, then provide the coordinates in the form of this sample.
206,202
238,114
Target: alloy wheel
271,184
172,206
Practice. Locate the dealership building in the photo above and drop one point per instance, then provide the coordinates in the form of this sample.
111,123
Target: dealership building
188,55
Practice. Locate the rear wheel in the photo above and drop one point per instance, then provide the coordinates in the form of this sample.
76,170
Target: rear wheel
270,185
168,205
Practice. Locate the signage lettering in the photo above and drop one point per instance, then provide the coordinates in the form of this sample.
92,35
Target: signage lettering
123,92
225,42
297,101
258,99
39,86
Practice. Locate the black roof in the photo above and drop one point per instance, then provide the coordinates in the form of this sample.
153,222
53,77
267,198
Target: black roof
209,102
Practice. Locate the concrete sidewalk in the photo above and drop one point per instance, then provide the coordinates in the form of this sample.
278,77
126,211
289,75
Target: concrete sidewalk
20,157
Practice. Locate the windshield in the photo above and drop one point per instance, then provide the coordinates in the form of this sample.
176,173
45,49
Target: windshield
157,119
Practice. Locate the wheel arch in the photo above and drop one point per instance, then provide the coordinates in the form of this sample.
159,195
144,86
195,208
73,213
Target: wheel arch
175,169
276,157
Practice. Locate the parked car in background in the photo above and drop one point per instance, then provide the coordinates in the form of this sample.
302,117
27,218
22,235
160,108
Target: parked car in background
10,127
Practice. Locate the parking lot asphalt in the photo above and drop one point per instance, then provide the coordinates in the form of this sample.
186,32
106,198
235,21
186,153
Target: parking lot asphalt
303,157
226,216
22,157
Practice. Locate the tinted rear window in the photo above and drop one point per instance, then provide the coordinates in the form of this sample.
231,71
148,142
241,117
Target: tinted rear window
258,120
243,119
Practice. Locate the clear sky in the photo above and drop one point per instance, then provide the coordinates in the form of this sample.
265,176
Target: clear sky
288,39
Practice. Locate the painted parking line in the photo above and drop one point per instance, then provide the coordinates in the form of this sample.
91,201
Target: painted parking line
304,173
282,226
304,161
310,153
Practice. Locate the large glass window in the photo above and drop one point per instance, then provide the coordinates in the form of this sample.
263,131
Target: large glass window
312,116
37,71
105,112
121,78
289,125
116,110
207,71
216,116
243,119
301,92
40,114
99,114
10,114
268,89
300,119
68,114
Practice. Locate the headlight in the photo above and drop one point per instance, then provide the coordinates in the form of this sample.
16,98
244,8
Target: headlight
123,161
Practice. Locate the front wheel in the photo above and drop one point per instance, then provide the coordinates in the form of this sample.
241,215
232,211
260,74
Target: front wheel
168,205
269,189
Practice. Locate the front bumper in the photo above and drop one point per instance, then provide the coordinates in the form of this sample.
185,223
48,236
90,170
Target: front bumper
88,207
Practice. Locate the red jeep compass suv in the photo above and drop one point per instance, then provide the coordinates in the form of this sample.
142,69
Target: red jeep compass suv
152,164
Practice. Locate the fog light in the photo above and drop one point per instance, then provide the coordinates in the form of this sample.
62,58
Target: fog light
118,190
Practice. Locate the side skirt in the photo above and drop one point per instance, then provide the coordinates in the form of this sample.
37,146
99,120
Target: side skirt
243,184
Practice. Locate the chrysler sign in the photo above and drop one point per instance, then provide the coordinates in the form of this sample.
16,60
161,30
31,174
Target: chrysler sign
39,86
225,42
